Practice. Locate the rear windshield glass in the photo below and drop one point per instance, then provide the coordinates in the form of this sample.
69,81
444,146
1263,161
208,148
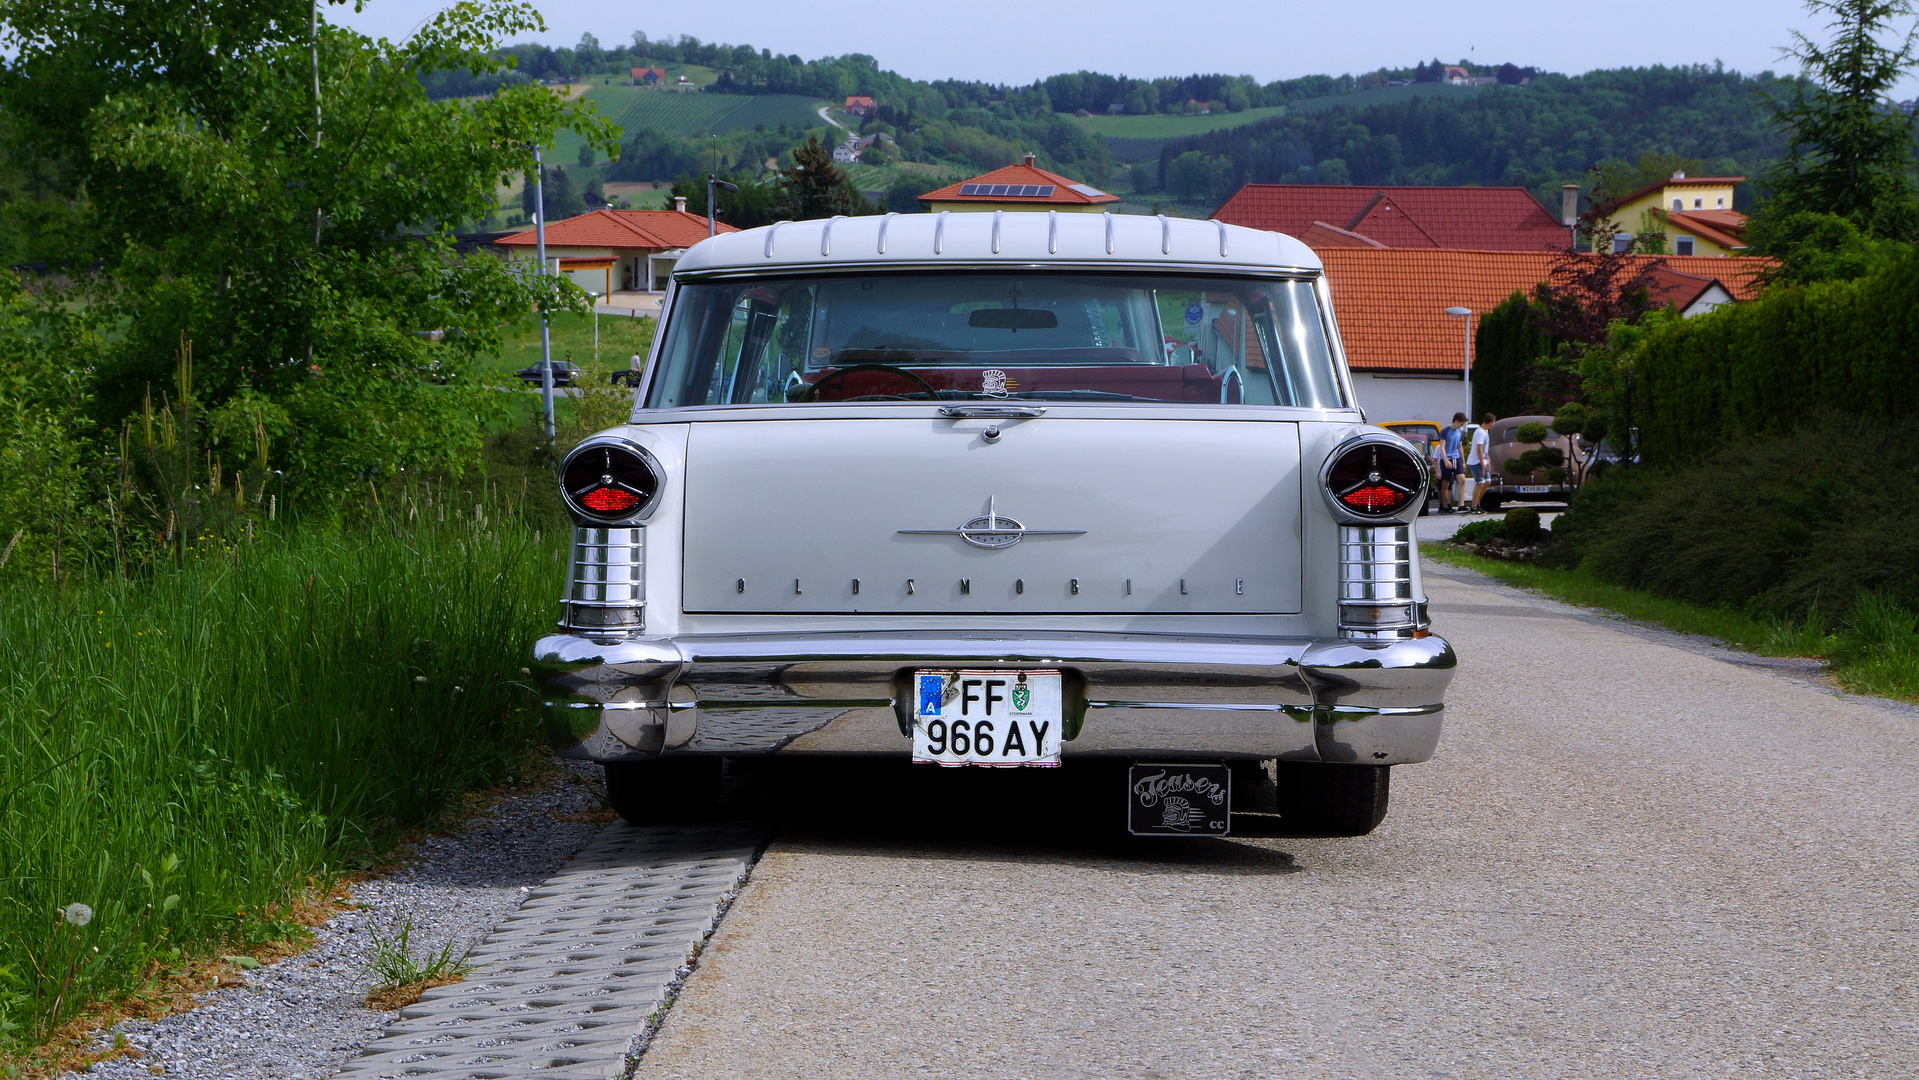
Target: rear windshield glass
996,336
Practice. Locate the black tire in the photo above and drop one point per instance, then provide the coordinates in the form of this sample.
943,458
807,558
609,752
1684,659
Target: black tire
1333,800
670,789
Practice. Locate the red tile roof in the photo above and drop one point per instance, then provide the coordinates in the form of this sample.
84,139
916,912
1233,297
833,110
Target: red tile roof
653,230
1321,235
1723,227
1468,218
1680,289
1063,188
1391,305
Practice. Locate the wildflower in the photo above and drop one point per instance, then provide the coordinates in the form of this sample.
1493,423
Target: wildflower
419,678
77,914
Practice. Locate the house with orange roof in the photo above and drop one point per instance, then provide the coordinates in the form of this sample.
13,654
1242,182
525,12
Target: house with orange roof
1350,215
615,251
1408,356
1025,186
648,76
858,106
1695,213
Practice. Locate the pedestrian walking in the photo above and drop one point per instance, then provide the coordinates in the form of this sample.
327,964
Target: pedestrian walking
1479,460
1450,450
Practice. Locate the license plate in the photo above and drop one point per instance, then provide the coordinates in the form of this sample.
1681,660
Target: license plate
1534,489
1179,800
963,717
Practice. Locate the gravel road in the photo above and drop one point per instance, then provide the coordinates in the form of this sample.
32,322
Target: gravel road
1632,857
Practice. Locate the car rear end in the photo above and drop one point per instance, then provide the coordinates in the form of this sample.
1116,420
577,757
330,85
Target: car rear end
1011,513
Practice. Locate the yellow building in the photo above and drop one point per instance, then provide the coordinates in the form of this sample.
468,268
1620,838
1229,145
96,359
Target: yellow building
1695,213
1020,187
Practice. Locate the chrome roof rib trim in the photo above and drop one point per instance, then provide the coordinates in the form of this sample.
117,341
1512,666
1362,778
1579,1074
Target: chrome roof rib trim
1165,235
771,232
826,236
888,220
1108,215
1052,232
1222,238
998,216
939,233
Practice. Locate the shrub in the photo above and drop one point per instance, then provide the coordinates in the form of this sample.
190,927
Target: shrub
1522,525
1479,532
1795,526
1761,369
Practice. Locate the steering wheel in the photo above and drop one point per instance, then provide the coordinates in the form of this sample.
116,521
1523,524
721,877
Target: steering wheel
812,391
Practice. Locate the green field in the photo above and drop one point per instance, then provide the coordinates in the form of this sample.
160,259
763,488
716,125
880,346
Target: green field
1161,126
688,114
881,177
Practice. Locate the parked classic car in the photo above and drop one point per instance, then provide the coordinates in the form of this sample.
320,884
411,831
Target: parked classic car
1504,487
934,487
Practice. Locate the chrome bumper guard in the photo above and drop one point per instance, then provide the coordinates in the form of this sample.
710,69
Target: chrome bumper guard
1297,699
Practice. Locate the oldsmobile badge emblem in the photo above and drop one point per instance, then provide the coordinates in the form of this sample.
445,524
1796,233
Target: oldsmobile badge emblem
992,530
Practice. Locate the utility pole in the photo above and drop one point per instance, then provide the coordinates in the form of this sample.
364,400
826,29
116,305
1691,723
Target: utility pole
546,342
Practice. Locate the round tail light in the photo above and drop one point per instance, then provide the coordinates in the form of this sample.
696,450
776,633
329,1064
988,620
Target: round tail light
609,480
1375,478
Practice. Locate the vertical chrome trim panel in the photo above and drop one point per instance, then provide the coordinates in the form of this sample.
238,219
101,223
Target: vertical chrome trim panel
1052,232
939,233
1108,215
1165,236
1222,238
998,215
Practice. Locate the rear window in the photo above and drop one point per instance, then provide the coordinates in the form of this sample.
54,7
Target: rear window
996,336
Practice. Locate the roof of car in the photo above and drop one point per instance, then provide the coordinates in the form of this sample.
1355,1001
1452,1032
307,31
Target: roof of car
1012,238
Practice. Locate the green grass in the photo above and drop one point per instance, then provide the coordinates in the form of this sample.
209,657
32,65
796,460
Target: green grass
179,751
572,336
1878,654
688,114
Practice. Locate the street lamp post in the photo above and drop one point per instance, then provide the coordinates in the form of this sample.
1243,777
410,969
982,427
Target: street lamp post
711,183
546,341
1466,369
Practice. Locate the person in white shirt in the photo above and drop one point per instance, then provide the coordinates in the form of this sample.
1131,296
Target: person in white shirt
1479,460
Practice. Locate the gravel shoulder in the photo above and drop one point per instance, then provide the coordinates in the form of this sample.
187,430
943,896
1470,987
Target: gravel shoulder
1630,858
303,1017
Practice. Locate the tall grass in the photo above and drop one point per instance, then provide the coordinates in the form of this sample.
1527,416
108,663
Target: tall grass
178,749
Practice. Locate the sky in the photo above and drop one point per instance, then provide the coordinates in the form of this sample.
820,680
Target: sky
1019,41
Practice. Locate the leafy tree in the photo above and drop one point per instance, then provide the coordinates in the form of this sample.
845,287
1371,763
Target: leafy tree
282,193
1849,145
562,201
1819,247
585,156
1194,175
1333,171
756,203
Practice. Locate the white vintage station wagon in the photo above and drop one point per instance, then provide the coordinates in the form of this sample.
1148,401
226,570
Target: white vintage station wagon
1000,489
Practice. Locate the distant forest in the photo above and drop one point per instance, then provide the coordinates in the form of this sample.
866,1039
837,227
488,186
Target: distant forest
1537,136
1528,128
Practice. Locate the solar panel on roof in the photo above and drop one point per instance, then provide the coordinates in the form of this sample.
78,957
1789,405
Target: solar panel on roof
1089,192
1022,191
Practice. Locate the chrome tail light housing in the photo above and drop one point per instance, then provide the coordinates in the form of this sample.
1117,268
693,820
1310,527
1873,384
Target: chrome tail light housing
1376,485
609,484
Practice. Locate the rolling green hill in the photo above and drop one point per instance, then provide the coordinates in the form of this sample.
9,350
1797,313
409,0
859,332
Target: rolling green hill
1138,138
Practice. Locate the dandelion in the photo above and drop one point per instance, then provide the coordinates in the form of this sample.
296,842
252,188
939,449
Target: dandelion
77,914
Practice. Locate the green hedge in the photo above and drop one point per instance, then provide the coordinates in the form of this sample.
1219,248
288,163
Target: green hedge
1763,368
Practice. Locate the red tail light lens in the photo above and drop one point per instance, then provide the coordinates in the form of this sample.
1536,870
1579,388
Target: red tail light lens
609,481
606,500
1375,478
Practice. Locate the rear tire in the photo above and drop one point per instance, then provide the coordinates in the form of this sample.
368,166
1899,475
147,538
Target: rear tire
1333,800
666,790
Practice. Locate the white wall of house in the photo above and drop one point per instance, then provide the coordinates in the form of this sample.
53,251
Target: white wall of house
1396,397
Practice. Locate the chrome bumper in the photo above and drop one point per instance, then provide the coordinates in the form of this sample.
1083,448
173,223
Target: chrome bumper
1126,695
